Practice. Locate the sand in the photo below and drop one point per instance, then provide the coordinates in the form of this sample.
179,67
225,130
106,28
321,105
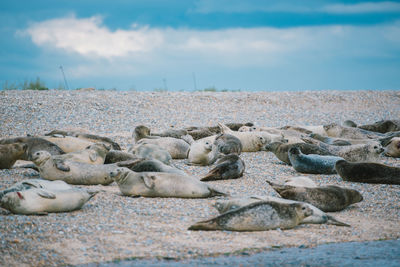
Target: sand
112,227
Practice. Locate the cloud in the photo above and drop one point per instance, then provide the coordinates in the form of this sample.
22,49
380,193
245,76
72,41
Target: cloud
238,6
89,37
227,58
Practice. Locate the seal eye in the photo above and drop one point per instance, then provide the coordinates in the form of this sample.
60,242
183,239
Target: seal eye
375,147
303,208
20,195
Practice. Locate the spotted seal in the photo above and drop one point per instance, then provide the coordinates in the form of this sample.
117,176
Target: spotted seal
258,216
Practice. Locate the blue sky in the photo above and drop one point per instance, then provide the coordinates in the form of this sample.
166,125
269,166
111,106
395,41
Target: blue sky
228,44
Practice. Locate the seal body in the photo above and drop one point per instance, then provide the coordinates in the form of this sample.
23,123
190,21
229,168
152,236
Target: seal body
228,144
368,172
159,184
39,201
382,126
70,171
36,183
202,152
312,163
149,165
177,148
152,151
326,198
93,154
10,153
114,156
86,136
34,144
281,150
228,167
258,216
317,217
336,130
69,143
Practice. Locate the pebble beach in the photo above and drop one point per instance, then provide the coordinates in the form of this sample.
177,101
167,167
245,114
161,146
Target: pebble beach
111,227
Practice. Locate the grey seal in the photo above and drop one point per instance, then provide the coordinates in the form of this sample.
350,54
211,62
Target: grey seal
228,144
152,151
392,149
10,153
160,184
382,126
258,216
114,156
148,165
34,144
326,198
368,172
41,201
202,152
70,171
89,137
281,150
312,163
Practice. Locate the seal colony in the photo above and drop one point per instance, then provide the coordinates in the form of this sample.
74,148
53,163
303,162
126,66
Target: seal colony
189,218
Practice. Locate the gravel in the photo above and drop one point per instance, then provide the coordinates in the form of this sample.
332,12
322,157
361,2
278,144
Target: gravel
112,227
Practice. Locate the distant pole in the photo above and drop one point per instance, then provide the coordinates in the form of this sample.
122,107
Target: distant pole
194,81
65,79
165,84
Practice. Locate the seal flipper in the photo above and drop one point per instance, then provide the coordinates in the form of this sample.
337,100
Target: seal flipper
61,166
215,192
46,194
211,175
333,221
209,225
148,181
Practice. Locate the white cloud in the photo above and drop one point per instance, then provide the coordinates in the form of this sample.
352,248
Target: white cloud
89,38
293,6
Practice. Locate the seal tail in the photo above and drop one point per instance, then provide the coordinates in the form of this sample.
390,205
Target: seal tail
92,192
215,192
209,225
277,187
333,221
211,175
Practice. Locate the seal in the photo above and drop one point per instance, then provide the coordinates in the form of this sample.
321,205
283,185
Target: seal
149,165
319,129
114,156
251,141
228,144
368,172
10,153
318,216
336,130
68,143
171,133
93,154
356,153
34,144
160,184
202,152
312,163
292,136
338,141
177,148
36,183
150,151
327,198
392,149
383,126
281,150
41,201
228,167
70,171
258,216
86,136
